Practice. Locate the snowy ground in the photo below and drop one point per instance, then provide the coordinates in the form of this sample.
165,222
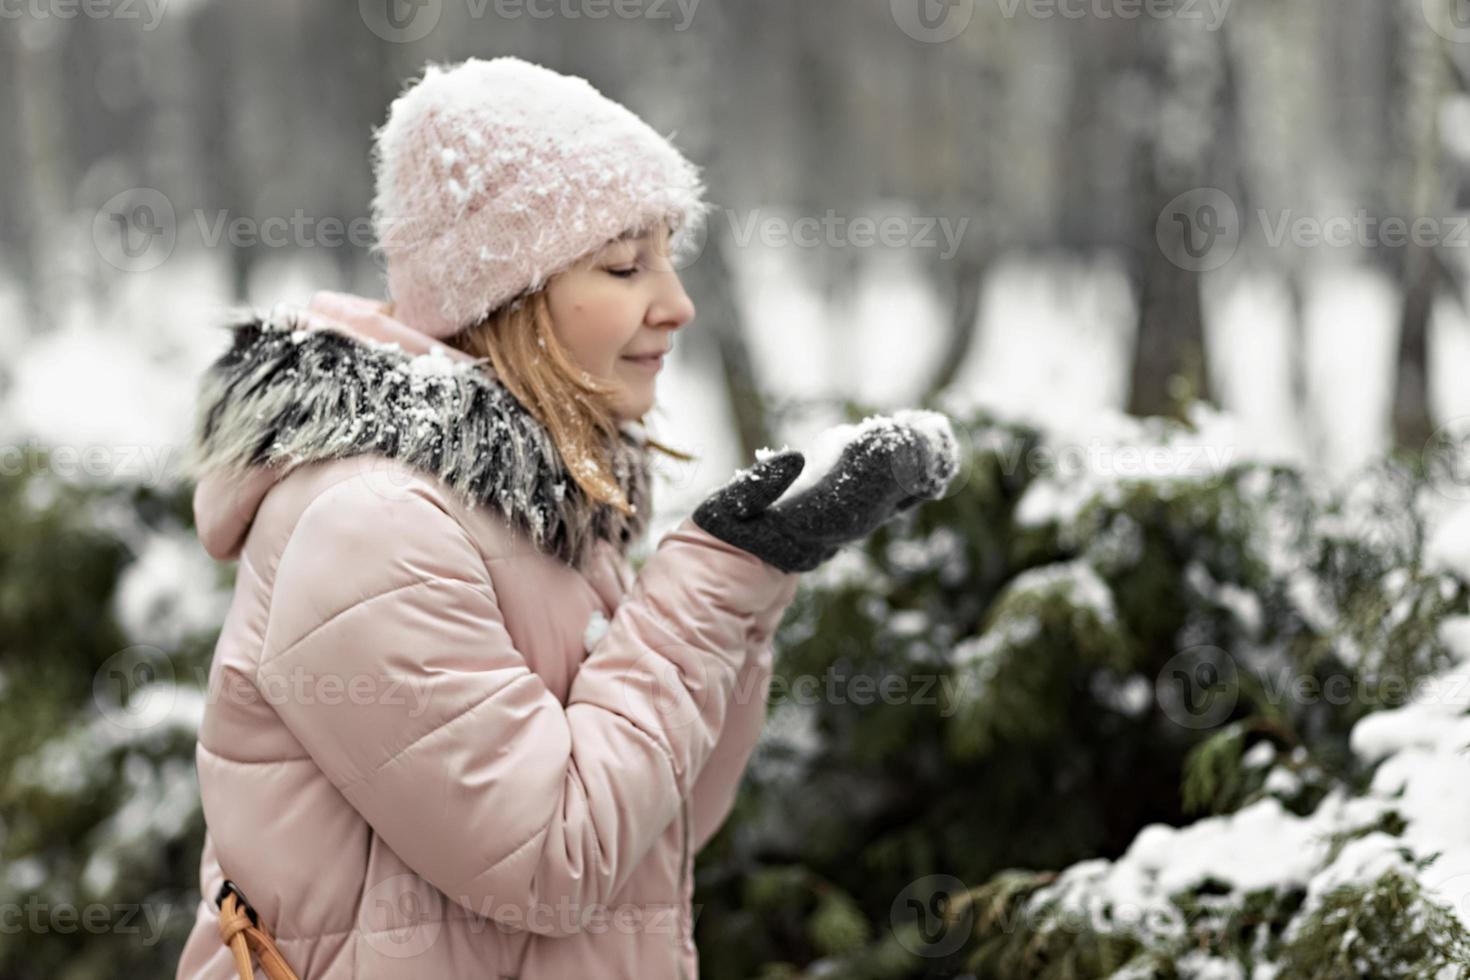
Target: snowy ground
1053,348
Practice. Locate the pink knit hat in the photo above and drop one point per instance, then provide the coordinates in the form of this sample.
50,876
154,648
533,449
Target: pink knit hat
493,175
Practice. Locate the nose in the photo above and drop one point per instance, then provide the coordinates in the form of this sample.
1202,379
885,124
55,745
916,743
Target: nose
672,306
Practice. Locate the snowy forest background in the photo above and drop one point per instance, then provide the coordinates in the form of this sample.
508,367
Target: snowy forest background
1172,684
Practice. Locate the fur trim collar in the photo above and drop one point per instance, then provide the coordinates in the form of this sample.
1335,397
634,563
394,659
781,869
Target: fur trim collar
284,395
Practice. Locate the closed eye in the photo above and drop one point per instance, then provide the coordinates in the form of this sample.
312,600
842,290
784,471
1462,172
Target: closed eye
627,273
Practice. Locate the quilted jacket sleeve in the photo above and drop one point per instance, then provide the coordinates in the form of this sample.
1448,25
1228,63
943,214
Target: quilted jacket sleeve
453,749
714,791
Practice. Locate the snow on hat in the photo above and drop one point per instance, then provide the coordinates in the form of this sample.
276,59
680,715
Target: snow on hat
493,175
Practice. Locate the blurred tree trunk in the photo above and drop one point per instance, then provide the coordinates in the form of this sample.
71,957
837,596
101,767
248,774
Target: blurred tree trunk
1297,376
1423,74
965,280
709,278
1187,78
17,215
46,173
215,35
710,281
1169,355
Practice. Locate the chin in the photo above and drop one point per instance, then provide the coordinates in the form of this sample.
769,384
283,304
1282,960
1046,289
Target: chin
633,406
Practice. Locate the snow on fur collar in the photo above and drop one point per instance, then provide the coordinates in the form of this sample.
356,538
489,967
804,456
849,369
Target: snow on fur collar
284,394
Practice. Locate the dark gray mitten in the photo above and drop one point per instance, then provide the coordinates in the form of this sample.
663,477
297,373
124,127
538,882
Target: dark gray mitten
739,513
886,467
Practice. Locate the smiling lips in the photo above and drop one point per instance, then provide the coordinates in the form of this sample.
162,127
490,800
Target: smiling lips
652,362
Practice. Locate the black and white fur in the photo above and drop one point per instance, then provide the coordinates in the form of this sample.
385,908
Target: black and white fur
285,395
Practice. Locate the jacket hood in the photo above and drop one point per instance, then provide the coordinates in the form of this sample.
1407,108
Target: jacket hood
341,378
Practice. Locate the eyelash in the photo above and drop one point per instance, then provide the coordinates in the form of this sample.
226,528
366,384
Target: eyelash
627,273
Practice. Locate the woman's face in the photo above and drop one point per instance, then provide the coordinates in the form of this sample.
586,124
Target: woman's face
616,312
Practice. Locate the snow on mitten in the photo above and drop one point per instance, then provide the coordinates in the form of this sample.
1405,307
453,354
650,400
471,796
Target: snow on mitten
864,475
739,513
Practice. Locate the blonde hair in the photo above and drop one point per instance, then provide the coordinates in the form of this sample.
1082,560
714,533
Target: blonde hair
574,407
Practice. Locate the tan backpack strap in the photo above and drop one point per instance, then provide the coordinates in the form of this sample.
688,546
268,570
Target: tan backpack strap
242,931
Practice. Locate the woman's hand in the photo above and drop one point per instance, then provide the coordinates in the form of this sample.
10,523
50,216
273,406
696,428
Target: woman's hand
889,466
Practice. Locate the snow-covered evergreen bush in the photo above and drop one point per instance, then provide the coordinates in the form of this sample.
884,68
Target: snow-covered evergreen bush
108,611
1178,728
1066,722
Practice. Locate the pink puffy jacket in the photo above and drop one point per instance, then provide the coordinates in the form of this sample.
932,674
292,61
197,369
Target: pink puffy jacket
433,746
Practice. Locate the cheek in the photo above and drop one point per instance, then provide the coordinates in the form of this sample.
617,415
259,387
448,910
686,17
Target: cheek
596,329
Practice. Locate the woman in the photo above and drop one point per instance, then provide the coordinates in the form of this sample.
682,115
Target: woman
449,732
